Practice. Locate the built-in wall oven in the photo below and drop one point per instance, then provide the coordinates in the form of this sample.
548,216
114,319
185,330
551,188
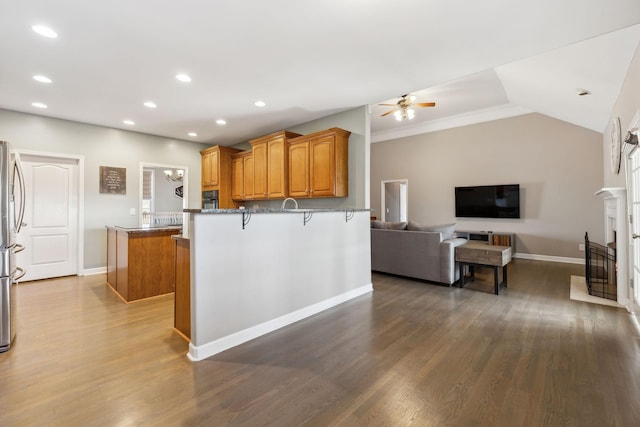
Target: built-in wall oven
210,199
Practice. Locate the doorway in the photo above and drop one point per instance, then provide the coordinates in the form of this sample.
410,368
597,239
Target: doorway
52,229
633,200
394,200
163,194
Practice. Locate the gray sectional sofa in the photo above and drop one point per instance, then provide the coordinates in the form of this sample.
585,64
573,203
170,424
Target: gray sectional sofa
413,250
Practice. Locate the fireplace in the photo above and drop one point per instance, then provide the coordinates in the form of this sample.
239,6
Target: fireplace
615,237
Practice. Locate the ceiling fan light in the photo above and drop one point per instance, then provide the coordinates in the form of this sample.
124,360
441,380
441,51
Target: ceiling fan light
410,113
398,115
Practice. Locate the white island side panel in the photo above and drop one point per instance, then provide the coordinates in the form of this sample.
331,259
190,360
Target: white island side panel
247,282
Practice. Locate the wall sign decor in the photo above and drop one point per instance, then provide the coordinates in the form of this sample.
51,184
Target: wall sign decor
113,180
179,192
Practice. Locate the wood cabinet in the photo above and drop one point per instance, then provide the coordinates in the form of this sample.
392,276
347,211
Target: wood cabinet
216,173
270,163
237,178
140,262
318,164
210,169
242,175
182,304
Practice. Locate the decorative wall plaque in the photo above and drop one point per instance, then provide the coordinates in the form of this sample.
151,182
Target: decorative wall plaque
113,180
179,192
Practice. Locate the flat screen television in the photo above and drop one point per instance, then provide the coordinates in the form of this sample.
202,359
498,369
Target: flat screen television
488,201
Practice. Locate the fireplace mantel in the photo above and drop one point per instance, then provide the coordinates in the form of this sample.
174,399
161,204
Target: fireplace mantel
612,192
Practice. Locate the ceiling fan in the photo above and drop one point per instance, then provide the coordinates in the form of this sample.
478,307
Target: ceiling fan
404,108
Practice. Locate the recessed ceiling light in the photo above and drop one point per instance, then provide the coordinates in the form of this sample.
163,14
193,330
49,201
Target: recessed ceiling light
260,104
39,105
192,134
45,31
129,122
221,121
150,104
42,79
183,78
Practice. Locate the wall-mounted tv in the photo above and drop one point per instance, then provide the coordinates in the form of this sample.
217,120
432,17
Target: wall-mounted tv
488,201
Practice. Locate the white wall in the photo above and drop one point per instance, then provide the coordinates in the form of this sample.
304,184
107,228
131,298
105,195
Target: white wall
102,146
558,167
626,107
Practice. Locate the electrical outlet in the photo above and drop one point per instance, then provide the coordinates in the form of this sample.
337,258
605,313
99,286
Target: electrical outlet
581,247
132,211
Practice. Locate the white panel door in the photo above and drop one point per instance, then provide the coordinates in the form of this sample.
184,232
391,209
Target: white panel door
50,233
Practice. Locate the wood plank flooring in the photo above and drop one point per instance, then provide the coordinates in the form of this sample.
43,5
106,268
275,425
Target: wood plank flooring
410,353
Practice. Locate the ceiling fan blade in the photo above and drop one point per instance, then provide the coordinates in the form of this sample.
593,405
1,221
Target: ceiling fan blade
425,104
389,105
387,113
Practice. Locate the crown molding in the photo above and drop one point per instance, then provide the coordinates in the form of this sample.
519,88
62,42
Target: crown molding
470,118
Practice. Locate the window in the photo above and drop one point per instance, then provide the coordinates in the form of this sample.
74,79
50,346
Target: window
147,195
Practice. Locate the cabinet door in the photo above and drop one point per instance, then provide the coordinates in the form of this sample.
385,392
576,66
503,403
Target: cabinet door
277,170
260,171
206,170
237,178
248,177
299,169
214,165
322,160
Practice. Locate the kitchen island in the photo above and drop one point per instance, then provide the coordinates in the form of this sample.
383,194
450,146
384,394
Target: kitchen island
256,270
140,260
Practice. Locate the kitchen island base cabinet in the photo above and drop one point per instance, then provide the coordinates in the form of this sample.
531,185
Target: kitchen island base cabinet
182,305
142,264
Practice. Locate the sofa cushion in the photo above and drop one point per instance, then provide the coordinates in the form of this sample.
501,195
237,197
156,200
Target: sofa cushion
446,229
389,225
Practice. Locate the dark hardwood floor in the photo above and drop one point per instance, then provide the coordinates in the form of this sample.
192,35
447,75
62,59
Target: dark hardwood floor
410,353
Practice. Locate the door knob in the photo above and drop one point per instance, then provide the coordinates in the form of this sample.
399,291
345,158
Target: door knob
635,236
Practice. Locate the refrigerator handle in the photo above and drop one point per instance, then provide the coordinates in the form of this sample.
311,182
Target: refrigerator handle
20,217
16,248
20,276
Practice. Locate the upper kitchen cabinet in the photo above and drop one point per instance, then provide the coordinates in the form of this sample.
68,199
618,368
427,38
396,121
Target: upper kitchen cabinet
243,173
318,164
210,176
216,173
237,177
270,165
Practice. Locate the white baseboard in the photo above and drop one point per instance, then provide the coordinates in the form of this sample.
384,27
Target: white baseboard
200,352
550,258
92,271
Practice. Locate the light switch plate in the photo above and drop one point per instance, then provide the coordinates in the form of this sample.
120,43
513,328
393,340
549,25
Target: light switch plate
132,211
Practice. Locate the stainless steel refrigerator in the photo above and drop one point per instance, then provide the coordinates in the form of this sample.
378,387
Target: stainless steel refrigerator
12,199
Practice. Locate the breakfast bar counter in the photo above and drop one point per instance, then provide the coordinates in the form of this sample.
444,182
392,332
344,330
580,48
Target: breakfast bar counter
256,270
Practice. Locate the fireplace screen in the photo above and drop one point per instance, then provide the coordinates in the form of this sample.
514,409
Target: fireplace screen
600,269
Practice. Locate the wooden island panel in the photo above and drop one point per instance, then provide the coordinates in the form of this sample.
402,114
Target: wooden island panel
144,262
182,306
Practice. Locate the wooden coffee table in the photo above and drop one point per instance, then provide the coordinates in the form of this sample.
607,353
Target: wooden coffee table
483,254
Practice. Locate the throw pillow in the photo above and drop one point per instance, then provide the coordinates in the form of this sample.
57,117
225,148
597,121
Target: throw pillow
377,224
446,229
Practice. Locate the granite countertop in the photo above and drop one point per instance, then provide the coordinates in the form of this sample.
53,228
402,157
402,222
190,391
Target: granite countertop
267,210
146,228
